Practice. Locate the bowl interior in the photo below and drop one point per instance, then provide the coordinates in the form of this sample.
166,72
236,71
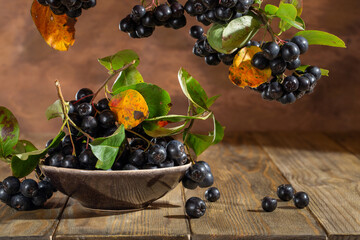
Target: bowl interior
123,189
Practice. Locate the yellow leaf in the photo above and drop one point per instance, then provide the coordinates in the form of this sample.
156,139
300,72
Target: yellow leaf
242,73
57,31
129,107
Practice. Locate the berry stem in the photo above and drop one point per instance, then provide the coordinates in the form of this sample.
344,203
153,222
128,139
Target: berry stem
67,118
139,135
110,77
264,19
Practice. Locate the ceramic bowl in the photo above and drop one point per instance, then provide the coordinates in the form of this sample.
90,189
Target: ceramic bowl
123,189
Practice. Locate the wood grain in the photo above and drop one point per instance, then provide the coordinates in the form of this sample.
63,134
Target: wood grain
164,219
327,172
244,175
38,224
349,140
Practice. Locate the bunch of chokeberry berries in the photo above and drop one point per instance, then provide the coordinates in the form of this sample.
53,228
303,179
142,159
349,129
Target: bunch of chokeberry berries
202,48
217,11
286,192
141,23
279,59
97,120
25,195
199,175
72,8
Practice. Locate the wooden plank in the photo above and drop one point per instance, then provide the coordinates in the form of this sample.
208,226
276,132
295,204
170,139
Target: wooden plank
36,224
349,140
164,219
327,172
244,175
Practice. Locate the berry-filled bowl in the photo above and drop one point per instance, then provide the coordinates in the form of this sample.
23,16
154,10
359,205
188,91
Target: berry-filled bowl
125,189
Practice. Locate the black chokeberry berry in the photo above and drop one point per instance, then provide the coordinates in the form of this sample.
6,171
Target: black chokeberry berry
174,149
166,164
189,183
11,185
269,204
277,66
301,42
4,196
196,31
55,160
271,50
285,192
301,199
290,84
85,109
143,32
304,83
259,61
48,188
195,207
39,198
84,95
70,161
20,202
156,154
197,172
212,194
212,59
137,158
88,4
228,3
177,23
137,12
162,12
210,4
87,160
223,13
208,180
275,90
28,187
314,71
89,124
106,119
177,9
290,51
127,25
293,64
287,98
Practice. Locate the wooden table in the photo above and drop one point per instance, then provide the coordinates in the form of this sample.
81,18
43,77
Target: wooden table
246,167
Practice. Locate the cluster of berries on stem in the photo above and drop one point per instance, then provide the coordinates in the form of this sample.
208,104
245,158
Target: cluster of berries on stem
72,8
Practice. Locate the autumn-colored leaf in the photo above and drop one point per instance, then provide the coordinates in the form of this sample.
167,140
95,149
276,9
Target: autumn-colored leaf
162,123
129,107
58,31
243,74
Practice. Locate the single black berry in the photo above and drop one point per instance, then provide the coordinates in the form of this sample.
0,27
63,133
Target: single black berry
55,160
28,187
47,187
87,160
301,42
259,61
11,185
39,198
301,199
290,51
271,50
70,161
106,119
269,204
127,25
223,13
156,154
195,207
293,64
277,66
208,180
228,3
84,95
314,71
212,59
177,23
275,90
189,183
285,192
197,172
196,31
162,12
137,12
177,10
290,84
20,202
4,196
212,194
88,4
89,124
166,164
304,83
143,32
85,109
287,98
210,4
137,158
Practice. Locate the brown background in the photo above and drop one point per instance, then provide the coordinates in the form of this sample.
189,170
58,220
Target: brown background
28,68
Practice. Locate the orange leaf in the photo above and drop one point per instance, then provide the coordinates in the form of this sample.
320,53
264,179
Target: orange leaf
57,31
129,107
162,123
242,73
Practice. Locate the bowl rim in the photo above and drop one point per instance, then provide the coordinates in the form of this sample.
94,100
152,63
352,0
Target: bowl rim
117,172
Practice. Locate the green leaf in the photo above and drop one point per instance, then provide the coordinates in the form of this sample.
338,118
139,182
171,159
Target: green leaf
324,72
300,21
259,2
107,148
287,13
127,77
157,99
214,37
153,130
120,59
24,146
316,37
9,132
298,4
239,31
286,24
23,164
192,89
211,100
199,143
271,9
54,110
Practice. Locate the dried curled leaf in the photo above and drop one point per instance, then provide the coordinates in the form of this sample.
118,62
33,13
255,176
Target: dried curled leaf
57,31
129,107
242,73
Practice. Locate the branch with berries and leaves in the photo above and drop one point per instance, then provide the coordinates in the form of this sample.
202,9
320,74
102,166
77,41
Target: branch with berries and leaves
272,68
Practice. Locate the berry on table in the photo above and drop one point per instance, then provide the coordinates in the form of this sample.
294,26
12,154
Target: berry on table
195,207
212,194
285,192
28,187
11,185
301,199
269,204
